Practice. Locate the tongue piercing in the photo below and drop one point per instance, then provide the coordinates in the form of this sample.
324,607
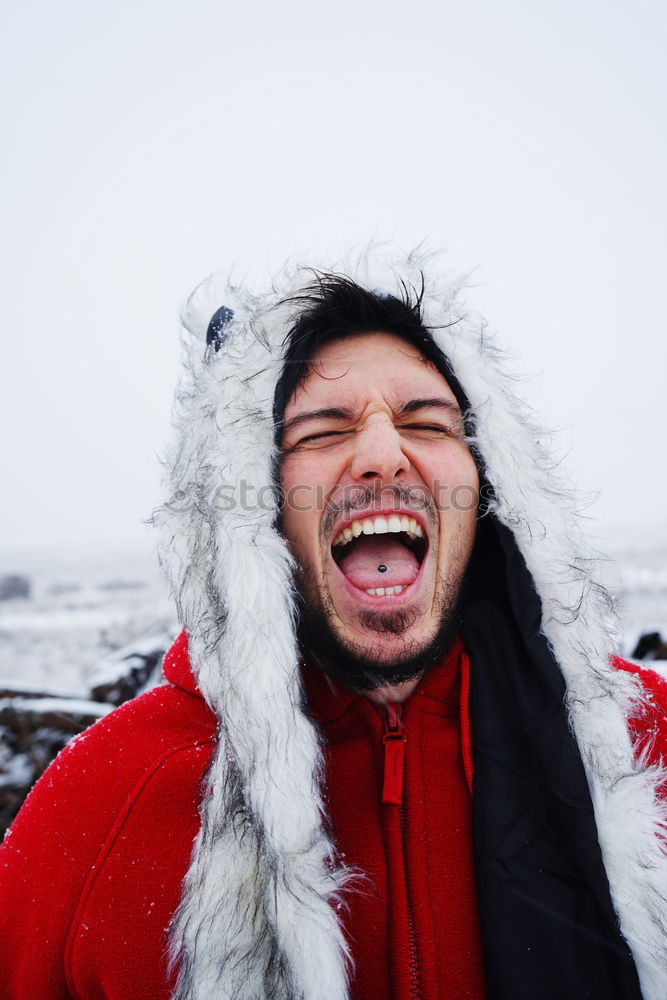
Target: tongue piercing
382,568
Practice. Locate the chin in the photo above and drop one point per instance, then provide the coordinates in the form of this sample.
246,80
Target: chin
386,638
387,649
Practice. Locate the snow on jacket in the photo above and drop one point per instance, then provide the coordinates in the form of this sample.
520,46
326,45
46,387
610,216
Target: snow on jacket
568,822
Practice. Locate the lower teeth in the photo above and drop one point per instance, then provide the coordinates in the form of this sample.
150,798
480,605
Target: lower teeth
384,591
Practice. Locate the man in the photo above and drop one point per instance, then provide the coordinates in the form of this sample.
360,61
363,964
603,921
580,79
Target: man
392,758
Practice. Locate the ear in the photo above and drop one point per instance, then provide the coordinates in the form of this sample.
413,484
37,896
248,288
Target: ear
215,334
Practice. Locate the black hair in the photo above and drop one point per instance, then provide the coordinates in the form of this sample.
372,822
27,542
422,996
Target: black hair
335,307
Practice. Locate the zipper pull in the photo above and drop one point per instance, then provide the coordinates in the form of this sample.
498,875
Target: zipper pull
394,754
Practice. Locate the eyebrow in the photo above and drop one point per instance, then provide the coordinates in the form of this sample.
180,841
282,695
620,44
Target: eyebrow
330,413
433,402
340,413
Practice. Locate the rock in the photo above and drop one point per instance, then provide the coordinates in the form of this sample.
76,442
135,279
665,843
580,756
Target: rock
67,715
130,670
650,646
14,586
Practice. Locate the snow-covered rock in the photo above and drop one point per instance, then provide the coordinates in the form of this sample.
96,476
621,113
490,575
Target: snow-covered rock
130,670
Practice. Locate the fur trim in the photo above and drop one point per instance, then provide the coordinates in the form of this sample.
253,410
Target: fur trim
256,917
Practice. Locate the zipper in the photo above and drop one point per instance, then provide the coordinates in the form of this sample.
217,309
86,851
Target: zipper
394,754
394,741
415,985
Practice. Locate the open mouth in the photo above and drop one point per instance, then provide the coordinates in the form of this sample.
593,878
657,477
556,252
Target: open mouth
381,555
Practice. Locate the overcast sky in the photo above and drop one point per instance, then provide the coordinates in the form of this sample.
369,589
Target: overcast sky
148,144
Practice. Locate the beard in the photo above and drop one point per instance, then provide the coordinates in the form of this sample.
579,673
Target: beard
365,667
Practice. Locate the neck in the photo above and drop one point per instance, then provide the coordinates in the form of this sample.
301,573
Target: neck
396,693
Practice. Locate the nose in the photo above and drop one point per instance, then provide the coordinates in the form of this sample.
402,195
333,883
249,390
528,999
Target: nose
378,451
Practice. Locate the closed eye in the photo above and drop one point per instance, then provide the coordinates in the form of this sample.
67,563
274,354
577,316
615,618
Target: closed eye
430,428
314,438
322,434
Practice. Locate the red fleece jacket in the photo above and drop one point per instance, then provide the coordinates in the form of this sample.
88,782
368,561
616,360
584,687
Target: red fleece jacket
91,871
400,801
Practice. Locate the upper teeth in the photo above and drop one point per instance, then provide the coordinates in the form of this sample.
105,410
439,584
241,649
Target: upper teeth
380,526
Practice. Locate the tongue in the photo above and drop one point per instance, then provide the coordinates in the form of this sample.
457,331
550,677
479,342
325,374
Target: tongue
361,566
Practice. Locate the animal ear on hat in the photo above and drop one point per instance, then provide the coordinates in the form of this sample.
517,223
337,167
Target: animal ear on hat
220,320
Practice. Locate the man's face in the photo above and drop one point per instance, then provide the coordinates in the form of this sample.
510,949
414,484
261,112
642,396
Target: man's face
380,497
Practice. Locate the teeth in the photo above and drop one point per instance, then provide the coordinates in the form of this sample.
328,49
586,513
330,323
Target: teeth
385,591
380,526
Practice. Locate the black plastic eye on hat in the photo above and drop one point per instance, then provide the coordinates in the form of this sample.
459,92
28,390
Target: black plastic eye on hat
215,334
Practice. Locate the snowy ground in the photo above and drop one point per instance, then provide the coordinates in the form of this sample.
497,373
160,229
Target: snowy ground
637,576
83,608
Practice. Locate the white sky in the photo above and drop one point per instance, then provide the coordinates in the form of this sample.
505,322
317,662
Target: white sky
147,144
